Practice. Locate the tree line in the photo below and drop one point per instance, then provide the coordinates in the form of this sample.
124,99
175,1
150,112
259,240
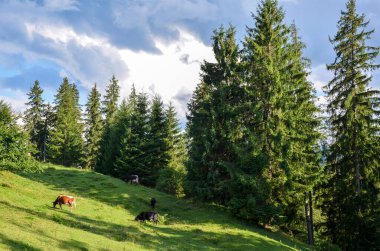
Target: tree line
255,140
140,136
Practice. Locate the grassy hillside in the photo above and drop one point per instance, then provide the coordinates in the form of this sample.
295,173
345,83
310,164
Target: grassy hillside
104,217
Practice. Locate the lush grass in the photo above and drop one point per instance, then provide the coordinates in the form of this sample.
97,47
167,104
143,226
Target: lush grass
103,219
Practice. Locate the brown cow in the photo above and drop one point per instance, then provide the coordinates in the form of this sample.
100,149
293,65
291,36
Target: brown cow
64,199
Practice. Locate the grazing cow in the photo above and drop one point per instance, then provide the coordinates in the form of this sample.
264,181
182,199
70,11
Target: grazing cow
133,179
150,216
153,203
64,199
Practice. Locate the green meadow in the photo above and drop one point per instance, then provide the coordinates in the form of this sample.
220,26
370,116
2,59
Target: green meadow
104,217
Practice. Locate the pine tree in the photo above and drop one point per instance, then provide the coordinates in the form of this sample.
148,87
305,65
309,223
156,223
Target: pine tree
281,154
302,123
48,123
265,54
66,142
109,110
351,192
94,125
15,148
213,124
157,145
172,176
133,153
34,119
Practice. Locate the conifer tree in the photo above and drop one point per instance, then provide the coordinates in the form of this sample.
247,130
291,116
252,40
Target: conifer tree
34,119
303,136
351,192
157,145
15,148
172,176
48,124
265,54
134,152
109,111
66,142
213,124
94,126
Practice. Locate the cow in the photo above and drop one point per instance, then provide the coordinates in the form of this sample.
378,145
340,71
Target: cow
133,179
153,203
150,216
64,199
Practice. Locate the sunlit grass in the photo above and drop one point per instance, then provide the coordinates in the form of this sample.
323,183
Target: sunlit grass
104,217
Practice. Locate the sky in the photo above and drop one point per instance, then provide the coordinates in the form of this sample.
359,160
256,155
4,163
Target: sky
157,45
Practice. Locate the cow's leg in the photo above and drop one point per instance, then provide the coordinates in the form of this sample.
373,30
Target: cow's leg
60,205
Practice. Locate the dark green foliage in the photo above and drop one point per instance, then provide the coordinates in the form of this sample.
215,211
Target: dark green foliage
350,193
157,145
171,177
133,152
15,148
94,126
105,160
66,143
213,124
265,57
253,125
34,120
48,124
110,101
282,117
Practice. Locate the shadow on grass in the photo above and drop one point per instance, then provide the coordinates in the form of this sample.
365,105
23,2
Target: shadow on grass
115,192
110,230
135,199
94,186
16,245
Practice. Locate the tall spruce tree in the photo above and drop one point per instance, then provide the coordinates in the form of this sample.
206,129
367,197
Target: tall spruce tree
282,154
66,143
94,126
265,57
157,145
109,111
172,176
34,119
212,122
351,191
301,118
134,152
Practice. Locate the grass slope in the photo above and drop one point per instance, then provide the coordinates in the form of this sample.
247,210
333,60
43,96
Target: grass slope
103,219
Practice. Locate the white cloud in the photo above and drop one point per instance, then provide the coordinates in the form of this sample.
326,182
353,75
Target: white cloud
320,76
167,73
88,59
15,98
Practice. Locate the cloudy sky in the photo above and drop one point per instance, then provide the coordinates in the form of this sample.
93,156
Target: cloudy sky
155,44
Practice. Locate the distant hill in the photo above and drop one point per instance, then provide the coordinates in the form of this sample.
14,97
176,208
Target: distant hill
104,217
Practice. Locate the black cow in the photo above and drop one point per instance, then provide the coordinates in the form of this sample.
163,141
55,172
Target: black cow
150,216
153,203
133,179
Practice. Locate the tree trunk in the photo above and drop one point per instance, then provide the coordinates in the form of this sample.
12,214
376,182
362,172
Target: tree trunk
311,218
308,222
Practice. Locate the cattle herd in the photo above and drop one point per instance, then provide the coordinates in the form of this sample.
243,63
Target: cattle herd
132,179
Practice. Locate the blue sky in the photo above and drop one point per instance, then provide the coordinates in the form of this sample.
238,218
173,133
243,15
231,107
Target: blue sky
156,45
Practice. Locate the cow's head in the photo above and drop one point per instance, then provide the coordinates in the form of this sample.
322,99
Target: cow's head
55,203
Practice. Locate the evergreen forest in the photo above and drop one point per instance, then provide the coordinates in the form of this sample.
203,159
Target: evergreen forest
256,142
